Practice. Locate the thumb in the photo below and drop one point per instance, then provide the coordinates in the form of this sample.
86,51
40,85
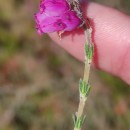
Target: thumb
111,39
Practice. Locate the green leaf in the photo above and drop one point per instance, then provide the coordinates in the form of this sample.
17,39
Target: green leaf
89,49
84,88
78,121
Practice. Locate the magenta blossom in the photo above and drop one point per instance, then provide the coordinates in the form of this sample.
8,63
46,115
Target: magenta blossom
54,7
56,15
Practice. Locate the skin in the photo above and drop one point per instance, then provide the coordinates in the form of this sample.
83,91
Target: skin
111,37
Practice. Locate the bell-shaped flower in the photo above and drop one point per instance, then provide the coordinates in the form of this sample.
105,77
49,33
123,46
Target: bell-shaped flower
56,15
54,7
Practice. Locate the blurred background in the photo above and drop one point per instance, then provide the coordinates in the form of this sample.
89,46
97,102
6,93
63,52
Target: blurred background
39,80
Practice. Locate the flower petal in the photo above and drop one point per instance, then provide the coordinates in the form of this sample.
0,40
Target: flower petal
54,7
71,20
48,24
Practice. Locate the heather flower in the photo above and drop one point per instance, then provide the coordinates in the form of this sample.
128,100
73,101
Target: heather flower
71,20
54,7
56,15
49,24
66,15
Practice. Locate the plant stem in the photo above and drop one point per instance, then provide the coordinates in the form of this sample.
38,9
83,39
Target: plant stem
87,33
83,98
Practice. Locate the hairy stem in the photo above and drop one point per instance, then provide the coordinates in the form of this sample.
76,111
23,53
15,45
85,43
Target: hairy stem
84,94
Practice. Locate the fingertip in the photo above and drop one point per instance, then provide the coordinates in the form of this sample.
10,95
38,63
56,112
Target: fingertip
111,39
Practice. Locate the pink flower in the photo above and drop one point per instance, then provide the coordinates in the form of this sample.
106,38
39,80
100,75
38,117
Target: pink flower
56,15
71,20
54,7
49,24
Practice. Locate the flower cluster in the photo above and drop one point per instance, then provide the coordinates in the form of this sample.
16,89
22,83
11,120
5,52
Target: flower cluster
56,15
